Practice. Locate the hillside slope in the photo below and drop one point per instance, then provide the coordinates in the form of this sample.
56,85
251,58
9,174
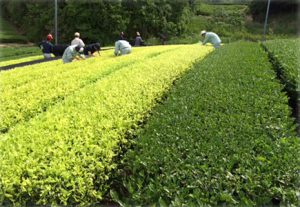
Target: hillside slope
8,34
234,22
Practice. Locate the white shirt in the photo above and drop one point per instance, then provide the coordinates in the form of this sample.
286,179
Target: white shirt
69,54
123,46
77,41
211,37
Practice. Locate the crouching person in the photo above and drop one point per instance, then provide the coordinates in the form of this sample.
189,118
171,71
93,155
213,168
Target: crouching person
72,52
90,49
122,47
47,47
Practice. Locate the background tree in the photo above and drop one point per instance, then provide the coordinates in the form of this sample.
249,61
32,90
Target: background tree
99,20
258,8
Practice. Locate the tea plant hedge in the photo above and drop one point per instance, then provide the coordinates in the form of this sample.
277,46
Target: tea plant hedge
223,137
285,54
285,57
65,155
31,90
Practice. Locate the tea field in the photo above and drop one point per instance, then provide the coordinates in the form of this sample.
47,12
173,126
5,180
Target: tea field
176,125
223,136
285,56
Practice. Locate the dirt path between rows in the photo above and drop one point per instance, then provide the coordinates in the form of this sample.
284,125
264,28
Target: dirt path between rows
8,67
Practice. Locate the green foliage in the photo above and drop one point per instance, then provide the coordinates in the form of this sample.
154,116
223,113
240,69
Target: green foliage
34,18
228,21
8,33
258,8
223,137
285,54
234,22
227,2
17,52
95,20
84,111
20,105
100,20
103,20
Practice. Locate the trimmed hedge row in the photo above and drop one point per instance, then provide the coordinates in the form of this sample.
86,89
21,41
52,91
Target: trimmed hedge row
285,57
65,156
43,70
285,54
224,136
26,93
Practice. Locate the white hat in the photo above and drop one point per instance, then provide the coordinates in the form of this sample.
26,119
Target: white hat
76,34
202,32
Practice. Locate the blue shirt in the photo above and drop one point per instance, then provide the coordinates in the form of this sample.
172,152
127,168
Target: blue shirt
46,47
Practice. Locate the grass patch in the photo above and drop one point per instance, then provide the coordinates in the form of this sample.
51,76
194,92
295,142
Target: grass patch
8,33
13,53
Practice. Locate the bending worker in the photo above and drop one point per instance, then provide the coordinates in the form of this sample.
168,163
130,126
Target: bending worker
212,38
90,49
72,52
122,47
